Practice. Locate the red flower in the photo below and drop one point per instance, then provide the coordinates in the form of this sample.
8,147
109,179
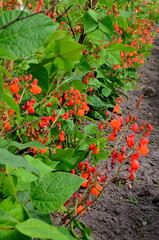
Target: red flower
143,150
80,112
7,125
135,156
31,110
134,127
117,109
130,140
96,150
116,123
144,141
36,89
14,88
96,190
135,165
66,115
121,157
92,146
44,150
112,137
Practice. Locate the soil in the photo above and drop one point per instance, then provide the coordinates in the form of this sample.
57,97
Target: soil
121,213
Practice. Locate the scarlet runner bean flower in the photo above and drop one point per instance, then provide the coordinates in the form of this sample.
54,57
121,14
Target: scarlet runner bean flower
35,89
130,140
96,190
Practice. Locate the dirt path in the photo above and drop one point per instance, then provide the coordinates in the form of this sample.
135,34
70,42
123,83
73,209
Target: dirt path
115,216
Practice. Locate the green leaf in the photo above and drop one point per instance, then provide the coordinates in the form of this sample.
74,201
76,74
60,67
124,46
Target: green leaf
6,220
120,47
39,72
66,153
12,235
106,91
90,129
3,70
22,146
63,64
3,143
24,37
106,3
39,165
106,25
68,49
14,210
37,229
125,14
23,175
11,102
113,57
96,102
122,22
15,161
67,233
9,186
90,21
1,86
11,213
53,190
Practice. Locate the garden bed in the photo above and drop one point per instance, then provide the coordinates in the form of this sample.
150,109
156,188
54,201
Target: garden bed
124,213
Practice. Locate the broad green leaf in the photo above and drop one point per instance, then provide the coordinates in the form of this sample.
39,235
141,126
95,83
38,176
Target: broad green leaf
11,213
67,233
113,57
39,72
125,14
3,71
9,186
14,209
23,175
37,229
3,143
6,220
120,47
65,158
1,85
15,161
106,3
63,154
106,25
22,146
24,37
52,191
39,165
96,102
68,49
122,22
64,64
11,103
90,21
106,91
90,129
11,234
60,34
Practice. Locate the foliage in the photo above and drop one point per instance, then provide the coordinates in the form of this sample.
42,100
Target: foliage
63,68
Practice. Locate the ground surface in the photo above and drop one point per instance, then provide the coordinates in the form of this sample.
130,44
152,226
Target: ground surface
115,217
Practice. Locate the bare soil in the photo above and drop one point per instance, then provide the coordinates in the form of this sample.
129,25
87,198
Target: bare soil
121,213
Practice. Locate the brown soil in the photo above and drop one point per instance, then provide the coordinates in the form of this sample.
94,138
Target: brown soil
116,216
